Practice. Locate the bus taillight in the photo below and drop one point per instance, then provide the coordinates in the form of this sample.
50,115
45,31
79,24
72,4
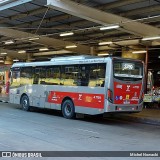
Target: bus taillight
110,95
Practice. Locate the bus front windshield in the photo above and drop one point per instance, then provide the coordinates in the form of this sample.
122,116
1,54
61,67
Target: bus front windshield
127,70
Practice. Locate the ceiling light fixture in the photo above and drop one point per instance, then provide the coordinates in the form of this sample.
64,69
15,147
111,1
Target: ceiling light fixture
104,43
15,60
1,61
72,46
9,42
109,27
151,38
3,53
135,52
34,38
103,54
66,34
43,49
22,51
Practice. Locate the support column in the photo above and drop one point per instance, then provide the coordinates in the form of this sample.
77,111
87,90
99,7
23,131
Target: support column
129,54
29,57
8,60
146,70
93,51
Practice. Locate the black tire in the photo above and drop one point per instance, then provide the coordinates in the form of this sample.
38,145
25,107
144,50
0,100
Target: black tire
68,109
25,103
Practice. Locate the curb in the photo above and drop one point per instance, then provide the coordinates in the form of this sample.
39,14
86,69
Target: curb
139,119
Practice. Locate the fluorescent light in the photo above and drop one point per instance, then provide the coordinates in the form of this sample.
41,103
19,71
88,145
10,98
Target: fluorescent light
158,56
151,38
103,54
104,43
134,52
15,60
72,46
66,34
9,42
43,49
1,61
22,51
109,27
4,53
34,38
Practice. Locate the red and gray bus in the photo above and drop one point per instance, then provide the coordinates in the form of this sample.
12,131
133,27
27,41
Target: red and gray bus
79,84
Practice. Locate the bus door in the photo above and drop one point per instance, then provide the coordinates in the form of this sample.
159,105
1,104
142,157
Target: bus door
38,87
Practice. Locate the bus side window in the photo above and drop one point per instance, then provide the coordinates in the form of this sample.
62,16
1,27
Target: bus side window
69,75
52,75
15,78
36,75
26,75
56,75
93,75
101,71
83,75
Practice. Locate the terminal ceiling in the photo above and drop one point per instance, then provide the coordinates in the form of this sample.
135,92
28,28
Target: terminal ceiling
22,20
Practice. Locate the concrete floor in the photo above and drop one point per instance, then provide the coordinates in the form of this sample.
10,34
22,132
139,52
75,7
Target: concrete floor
46,130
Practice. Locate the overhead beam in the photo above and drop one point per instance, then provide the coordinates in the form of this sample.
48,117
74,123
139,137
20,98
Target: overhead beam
41,10
13,54
51,53
102,18
56,43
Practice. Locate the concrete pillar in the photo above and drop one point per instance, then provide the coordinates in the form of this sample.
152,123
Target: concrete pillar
93,51
8,60
29,57
129,54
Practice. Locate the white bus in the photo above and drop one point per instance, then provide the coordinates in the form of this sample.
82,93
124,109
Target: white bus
79,84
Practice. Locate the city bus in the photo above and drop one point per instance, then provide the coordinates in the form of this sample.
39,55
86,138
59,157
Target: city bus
79,84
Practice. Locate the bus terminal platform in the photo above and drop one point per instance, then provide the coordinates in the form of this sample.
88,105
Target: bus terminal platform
149,115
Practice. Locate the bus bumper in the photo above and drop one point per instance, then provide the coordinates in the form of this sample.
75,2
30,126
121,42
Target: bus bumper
110,107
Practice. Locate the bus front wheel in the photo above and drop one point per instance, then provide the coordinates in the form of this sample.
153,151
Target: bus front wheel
68,109
25,103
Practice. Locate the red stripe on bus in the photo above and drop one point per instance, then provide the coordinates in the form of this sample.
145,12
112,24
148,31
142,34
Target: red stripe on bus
79,99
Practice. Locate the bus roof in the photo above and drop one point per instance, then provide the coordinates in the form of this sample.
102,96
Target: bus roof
70,60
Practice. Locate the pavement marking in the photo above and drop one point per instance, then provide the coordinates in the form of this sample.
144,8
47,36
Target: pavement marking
87,131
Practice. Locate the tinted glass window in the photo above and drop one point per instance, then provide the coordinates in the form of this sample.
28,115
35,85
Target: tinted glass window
126,70
52,75
15,77
69,75
26,75
92,75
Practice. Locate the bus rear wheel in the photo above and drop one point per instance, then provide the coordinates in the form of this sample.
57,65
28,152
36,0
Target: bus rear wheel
25,103
68,109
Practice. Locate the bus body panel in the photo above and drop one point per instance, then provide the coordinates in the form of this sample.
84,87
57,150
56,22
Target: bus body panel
51,97
87,100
